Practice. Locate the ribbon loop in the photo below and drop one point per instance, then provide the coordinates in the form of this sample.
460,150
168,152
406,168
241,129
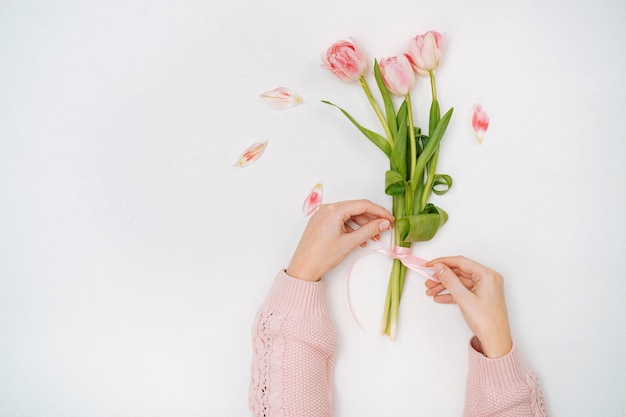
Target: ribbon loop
401,253
414,263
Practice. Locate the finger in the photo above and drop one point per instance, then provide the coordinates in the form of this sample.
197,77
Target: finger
444,299
452,283
430,291
431,284
467,282
368,231
358,207
348,227
359,221
466,265
466,279
362,219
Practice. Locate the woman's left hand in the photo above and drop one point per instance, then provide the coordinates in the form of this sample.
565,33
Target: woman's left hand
329,238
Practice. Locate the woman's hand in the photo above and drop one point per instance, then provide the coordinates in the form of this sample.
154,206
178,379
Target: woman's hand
329,237
479,293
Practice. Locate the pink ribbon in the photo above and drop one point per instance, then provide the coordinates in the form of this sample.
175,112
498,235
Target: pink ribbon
405,256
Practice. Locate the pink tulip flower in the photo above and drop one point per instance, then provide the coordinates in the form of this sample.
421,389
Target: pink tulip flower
480,122
425,51
251,154
345,60
281,98
313,200
397,74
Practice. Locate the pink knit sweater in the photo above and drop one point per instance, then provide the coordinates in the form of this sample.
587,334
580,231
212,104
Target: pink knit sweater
294,352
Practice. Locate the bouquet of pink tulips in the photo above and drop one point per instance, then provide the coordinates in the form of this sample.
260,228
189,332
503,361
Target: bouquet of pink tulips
412,153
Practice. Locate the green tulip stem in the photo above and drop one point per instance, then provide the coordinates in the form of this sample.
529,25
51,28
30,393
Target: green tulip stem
396,292
433,84
391,309
431,166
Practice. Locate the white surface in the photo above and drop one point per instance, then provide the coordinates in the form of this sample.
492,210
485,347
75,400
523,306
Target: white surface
133,255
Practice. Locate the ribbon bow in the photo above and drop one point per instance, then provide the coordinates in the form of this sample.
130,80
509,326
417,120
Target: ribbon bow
400,253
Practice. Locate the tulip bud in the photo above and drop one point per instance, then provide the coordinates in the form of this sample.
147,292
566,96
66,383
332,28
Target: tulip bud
345,60
425,51
397,74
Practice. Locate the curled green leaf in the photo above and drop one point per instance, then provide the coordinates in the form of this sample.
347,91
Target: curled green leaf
421,227
442,184
394,183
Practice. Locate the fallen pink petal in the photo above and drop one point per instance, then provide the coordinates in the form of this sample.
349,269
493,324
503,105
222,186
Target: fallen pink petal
480,122
251,154
281,98
314,200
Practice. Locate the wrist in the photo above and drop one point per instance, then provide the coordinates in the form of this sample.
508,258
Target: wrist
303,274
495,347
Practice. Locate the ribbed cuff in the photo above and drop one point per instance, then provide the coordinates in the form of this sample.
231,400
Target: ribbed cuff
503,372
297,297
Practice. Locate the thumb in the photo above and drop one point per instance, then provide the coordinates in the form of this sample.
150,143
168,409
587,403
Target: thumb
452,283
368,231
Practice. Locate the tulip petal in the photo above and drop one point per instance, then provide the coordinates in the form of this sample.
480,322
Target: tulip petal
313,200
281,98
480,122
251,154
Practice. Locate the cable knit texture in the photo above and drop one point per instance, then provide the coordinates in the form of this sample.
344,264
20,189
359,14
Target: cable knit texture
293,352
501,387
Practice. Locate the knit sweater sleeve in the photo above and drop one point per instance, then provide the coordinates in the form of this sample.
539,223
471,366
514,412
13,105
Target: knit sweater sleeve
293,352
502,387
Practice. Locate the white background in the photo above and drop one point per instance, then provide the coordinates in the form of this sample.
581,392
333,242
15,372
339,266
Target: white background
133,255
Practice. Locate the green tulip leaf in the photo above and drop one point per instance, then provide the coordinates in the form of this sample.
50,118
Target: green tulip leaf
389,107
421,227
394,183
420,140
442,184
434,117
398,158
433,209
376,139
431,147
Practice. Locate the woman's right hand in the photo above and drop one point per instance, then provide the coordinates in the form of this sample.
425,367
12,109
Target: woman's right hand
479,293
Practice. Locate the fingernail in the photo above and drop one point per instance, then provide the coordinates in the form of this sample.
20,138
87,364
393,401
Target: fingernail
438,268
384,225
